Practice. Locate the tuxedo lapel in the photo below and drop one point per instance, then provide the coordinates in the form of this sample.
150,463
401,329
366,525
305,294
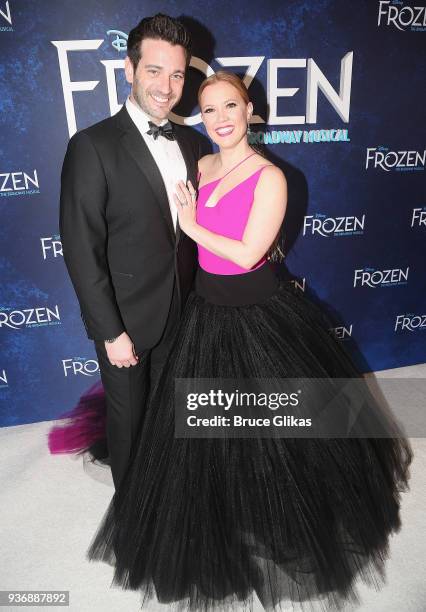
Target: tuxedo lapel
137,148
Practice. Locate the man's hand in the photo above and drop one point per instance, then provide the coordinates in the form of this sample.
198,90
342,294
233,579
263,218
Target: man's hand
121,352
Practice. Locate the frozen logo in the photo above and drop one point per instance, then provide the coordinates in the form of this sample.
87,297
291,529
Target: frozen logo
321,225
399,161
51,247
410,322
3,379
418,217
339,99
6,15
29,317
119,43
18,183
80,367
370,277
341,332
401,17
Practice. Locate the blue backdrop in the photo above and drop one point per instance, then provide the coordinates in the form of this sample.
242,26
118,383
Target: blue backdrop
339,96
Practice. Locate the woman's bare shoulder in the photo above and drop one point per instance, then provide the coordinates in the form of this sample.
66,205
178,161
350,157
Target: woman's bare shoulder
207,162
272,173
272,182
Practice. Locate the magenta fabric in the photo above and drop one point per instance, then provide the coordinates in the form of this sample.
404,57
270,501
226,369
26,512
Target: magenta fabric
228,218
84,425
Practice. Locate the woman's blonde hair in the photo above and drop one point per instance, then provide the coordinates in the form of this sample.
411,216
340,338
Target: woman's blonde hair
275,252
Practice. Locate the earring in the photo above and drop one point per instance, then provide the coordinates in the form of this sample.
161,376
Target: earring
249,134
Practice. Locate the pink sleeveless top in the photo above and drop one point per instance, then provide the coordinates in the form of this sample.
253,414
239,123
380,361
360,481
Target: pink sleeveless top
228,218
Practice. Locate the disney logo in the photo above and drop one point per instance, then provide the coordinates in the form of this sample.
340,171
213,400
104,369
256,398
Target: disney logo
120,41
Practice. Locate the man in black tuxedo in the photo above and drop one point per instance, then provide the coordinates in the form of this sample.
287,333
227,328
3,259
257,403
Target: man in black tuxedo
130,264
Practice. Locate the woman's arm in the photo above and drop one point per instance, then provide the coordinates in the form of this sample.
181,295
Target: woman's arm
265,219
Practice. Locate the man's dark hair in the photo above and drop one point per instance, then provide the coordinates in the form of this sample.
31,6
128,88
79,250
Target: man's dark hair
160,27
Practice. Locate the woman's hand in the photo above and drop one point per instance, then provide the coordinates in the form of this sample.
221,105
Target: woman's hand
185,200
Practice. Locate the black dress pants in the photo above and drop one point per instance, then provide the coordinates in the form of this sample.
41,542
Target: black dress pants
127,391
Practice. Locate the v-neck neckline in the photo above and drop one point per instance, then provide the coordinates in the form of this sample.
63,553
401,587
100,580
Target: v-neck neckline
232,188
226,174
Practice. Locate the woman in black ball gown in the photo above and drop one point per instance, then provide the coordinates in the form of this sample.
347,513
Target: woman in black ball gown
206,524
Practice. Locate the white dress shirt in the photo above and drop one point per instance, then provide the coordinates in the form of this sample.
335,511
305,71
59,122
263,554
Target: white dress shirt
166,153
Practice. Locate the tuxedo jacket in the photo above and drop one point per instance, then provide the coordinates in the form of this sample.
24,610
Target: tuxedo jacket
118,239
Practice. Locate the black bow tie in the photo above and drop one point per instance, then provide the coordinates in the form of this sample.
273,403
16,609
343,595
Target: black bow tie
165,130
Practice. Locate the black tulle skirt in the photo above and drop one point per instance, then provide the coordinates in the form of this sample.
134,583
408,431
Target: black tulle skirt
213,524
